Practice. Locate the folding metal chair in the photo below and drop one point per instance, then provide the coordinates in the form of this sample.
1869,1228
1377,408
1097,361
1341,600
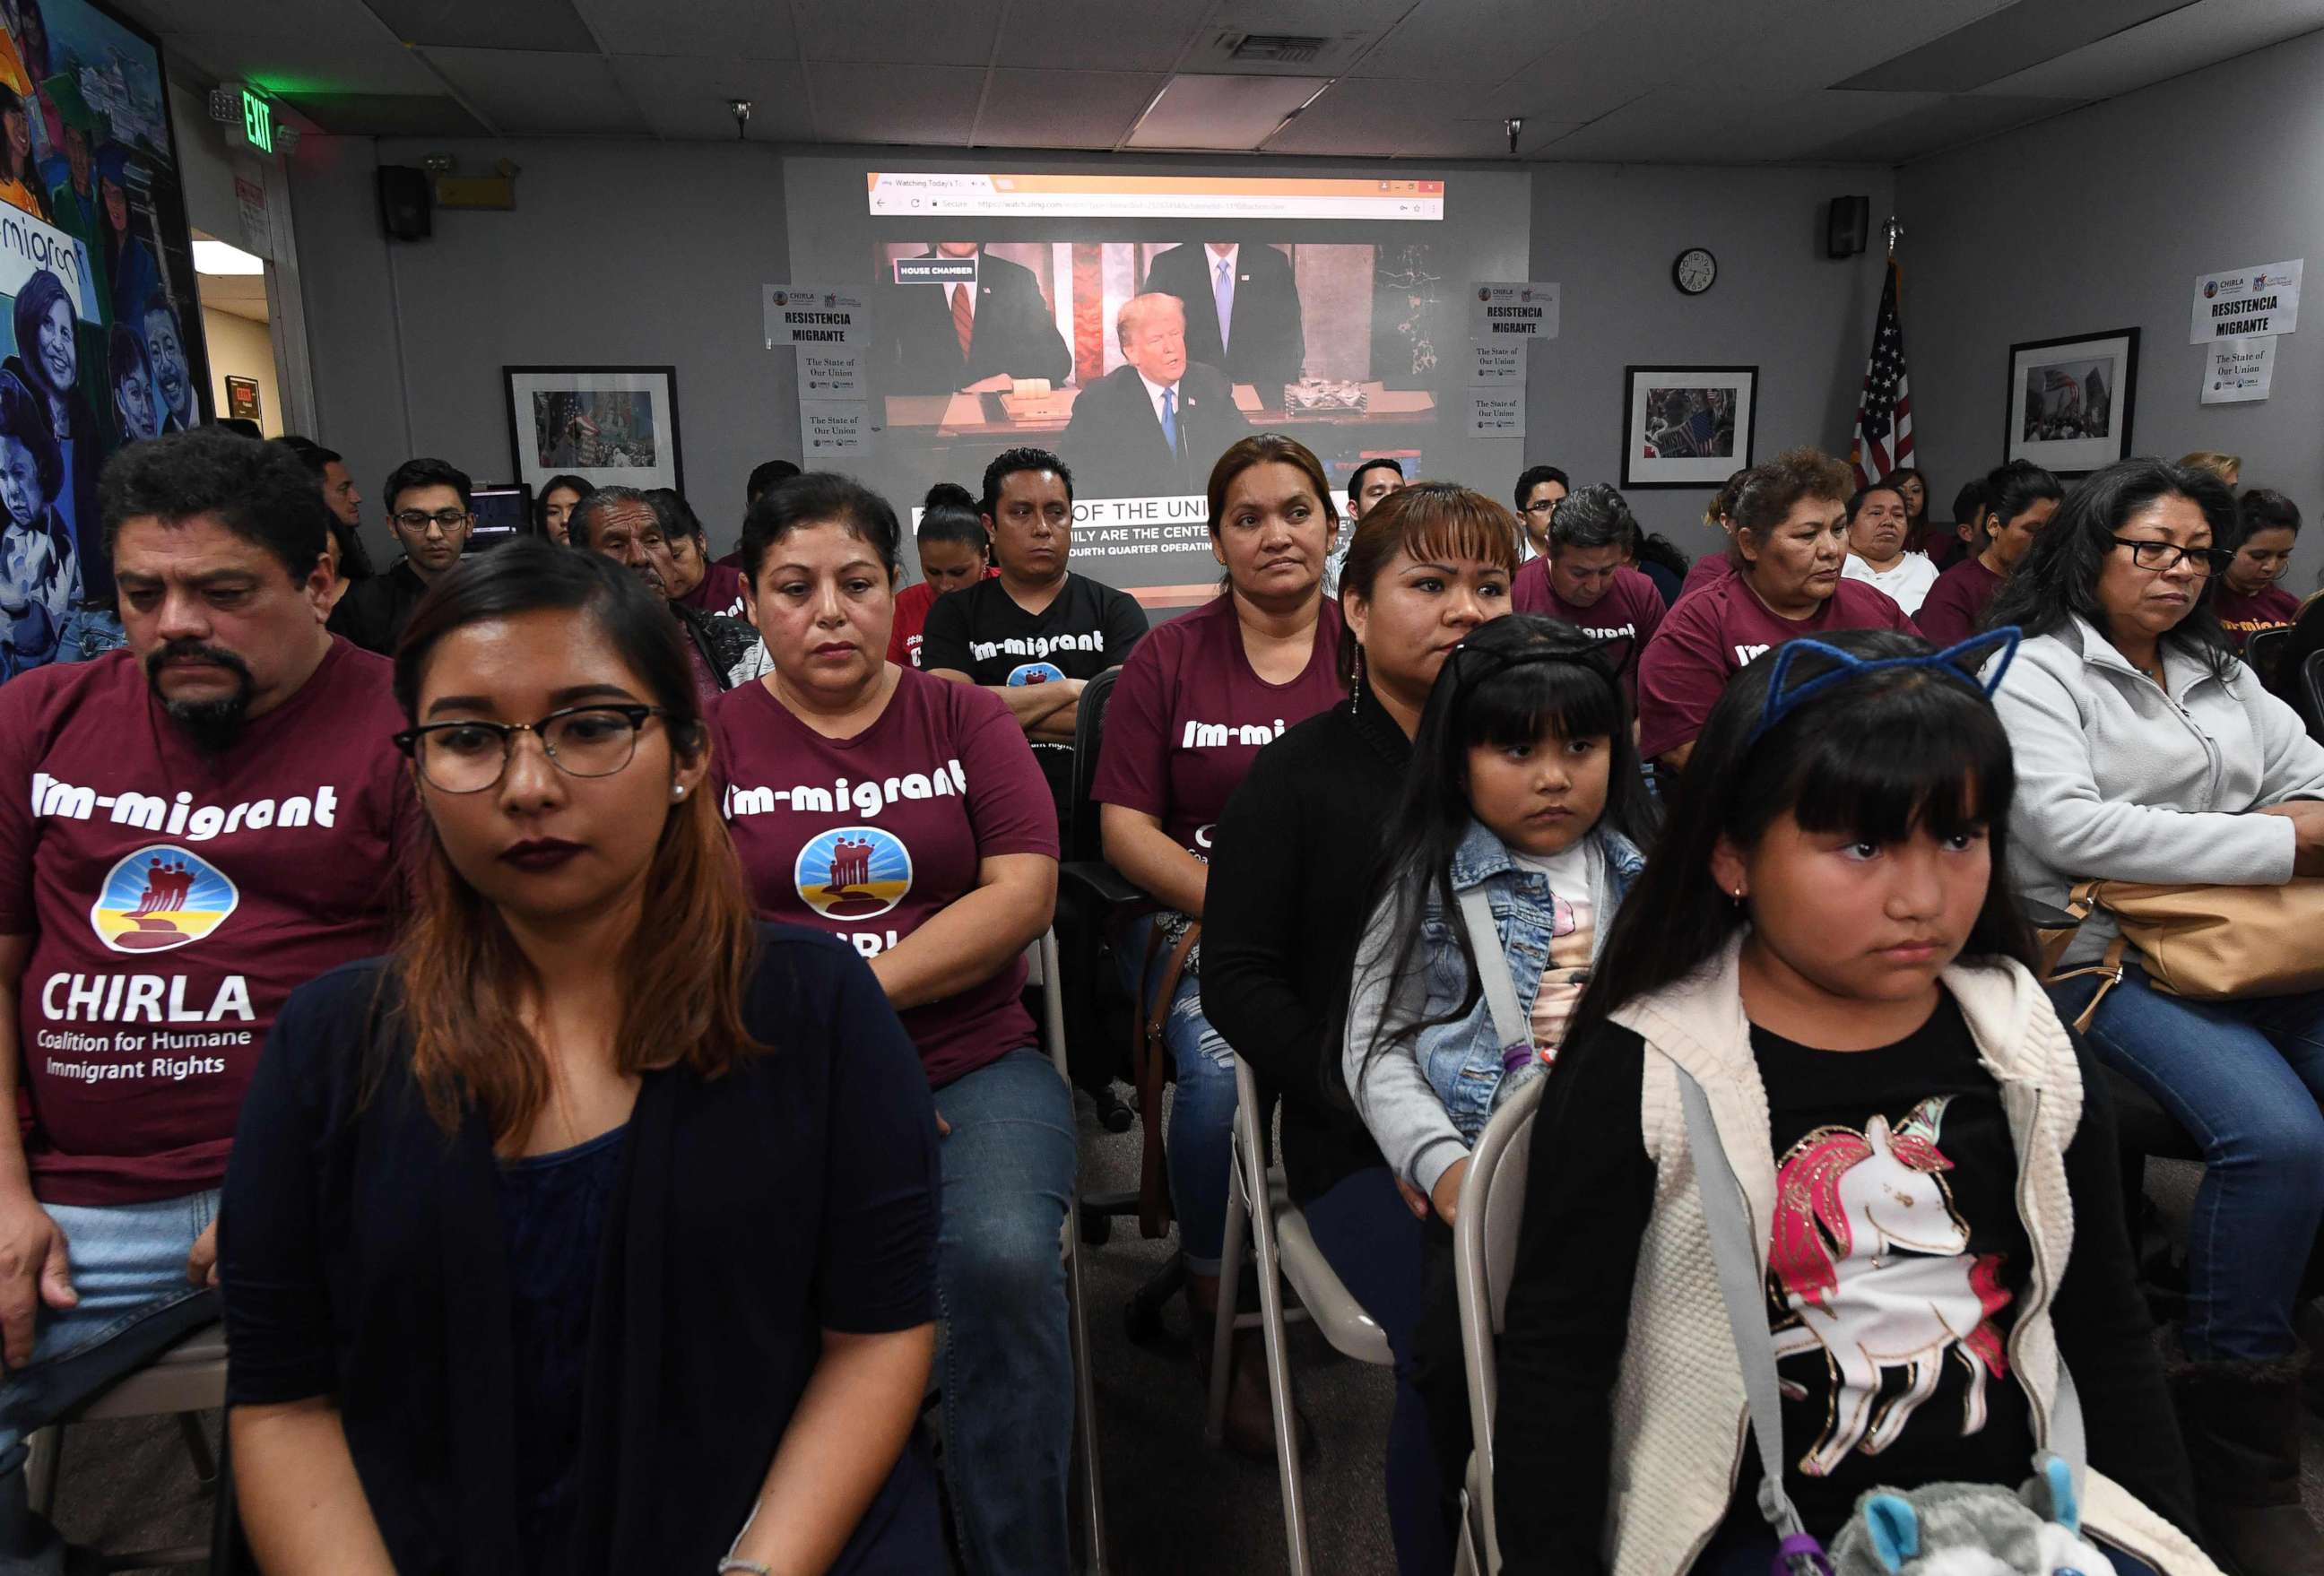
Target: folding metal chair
1285,1251
186,1379
1484,1247
1045,970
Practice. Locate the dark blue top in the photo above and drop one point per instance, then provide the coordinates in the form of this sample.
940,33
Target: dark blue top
553,1221
364,1260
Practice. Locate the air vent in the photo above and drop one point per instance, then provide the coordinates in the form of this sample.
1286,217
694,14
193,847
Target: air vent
1274,49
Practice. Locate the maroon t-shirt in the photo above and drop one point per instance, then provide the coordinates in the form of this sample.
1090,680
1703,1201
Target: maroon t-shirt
1950,613
868,837
720,591
175,898
1708,637
1625,617
1189,711
1709,570
2272,607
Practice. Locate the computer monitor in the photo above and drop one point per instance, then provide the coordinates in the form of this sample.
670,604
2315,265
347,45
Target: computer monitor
503,512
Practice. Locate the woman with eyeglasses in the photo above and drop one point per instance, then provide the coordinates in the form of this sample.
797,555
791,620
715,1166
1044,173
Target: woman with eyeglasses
591,1228
2147,752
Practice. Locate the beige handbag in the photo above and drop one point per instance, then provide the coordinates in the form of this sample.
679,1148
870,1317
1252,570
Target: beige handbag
2204,943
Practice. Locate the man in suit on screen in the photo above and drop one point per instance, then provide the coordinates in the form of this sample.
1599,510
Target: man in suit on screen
1242,311
1154,425
978,337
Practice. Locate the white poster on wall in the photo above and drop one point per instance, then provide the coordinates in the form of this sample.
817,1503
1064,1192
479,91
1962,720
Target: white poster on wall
2246,301
830,372
1496,412
1512,313
832,426
2237,370
814,313
1503,363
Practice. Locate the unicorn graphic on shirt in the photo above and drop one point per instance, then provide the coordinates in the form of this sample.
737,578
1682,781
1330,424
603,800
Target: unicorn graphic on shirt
1870,1266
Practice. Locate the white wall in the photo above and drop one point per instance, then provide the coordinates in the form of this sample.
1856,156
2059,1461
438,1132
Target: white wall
239,347
2101,219
1608,235
617,254
632,252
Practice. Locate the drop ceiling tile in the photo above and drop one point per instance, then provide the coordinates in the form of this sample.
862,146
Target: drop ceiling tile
526,92
1306,16
2184,41
387,115
1608,67
1134,38
2008,41
1062,109
542,25
343,19
957,32
1377,117
1481,41
685,95
758,29
295,62
1953,120
1685,126
894,105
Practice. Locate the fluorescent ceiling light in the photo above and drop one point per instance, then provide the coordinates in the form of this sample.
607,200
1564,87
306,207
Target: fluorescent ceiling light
1224,113
217,257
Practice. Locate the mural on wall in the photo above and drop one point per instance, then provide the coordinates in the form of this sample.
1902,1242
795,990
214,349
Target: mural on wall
99,332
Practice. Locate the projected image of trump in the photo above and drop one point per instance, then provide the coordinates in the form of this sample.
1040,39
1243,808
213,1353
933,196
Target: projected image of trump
1152,426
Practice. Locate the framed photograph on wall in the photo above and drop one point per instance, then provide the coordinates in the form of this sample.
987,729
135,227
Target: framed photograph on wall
616,425
1686,426
2069,400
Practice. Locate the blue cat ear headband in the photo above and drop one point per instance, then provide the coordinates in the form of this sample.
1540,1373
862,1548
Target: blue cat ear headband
1782,703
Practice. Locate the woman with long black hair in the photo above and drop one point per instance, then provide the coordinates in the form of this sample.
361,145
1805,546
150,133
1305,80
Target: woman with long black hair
591,1229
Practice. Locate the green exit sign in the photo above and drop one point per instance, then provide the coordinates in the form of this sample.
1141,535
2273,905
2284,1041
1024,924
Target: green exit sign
257,122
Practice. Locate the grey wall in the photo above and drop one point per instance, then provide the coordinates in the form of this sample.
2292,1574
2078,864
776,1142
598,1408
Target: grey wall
2101,219
617,254
638,251
1608,234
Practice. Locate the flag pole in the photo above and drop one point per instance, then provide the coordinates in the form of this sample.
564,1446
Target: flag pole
1894,230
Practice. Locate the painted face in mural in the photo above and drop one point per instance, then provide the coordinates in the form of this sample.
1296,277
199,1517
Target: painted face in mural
133,398
171,379
76,158
59,359
20,482
116,205
20,137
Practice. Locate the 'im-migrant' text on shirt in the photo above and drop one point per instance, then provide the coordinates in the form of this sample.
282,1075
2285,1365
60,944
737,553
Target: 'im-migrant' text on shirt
867,795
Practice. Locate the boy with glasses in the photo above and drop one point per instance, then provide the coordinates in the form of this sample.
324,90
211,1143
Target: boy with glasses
427,510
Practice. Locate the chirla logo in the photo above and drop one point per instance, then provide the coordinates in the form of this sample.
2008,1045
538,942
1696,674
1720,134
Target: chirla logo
161,897
854,872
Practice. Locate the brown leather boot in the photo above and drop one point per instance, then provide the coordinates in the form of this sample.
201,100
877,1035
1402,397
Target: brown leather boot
2242,1422
1249,1426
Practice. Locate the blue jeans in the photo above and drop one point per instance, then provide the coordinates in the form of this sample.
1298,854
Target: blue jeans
1005,1355
1373,1244
2243,1078
129,1266
1201,1114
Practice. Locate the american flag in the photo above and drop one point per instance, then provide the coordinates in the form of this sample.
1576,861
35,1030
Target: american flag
1884,416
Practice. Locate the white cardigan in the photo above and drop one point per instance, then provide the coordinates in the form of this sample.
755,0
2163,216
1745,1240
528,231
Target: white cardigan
1678,1402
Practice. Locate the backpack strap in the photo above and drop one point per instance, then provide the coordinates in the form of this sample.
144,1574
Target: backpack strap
1510,1025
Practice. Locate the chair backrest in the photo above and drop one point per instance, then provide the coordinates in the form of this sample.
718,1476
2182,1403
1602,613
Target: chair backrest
1485,1248
2312,681
2265,650
1082,839
1043,969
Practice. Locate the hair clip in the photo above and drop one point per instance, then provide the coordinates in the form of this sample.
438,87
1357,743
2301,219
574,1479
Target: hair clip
1782,702
1471,672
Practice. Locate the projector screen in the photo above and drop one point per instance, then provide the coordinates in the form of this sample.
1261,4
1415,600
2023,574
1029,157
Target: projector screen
1138,324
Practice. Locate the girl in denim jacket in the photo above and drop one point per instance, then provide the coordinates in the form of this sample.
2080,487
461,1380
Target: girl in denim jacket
1523,803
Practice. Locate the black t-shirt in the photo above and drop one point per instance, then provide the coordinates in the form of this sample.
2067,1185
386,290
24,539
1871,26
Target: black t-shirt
1896,1233
982,632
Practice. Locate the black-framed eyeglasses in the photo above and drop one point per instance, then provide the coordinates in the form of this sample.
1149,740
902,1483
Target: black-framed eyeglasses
2161,557
468,757
421,520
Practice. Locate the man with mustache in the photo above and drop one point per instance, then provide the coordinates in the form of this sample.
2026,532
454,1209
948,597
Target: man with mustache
626,526
240,750
165,351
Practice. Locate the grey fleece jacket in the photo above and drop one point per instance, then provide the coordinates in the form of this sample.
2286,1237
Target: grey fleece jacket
2119,779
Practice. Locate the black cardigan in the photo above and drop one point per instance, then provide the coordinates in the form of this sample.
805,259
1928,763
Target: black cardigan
362,1258
1290,861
